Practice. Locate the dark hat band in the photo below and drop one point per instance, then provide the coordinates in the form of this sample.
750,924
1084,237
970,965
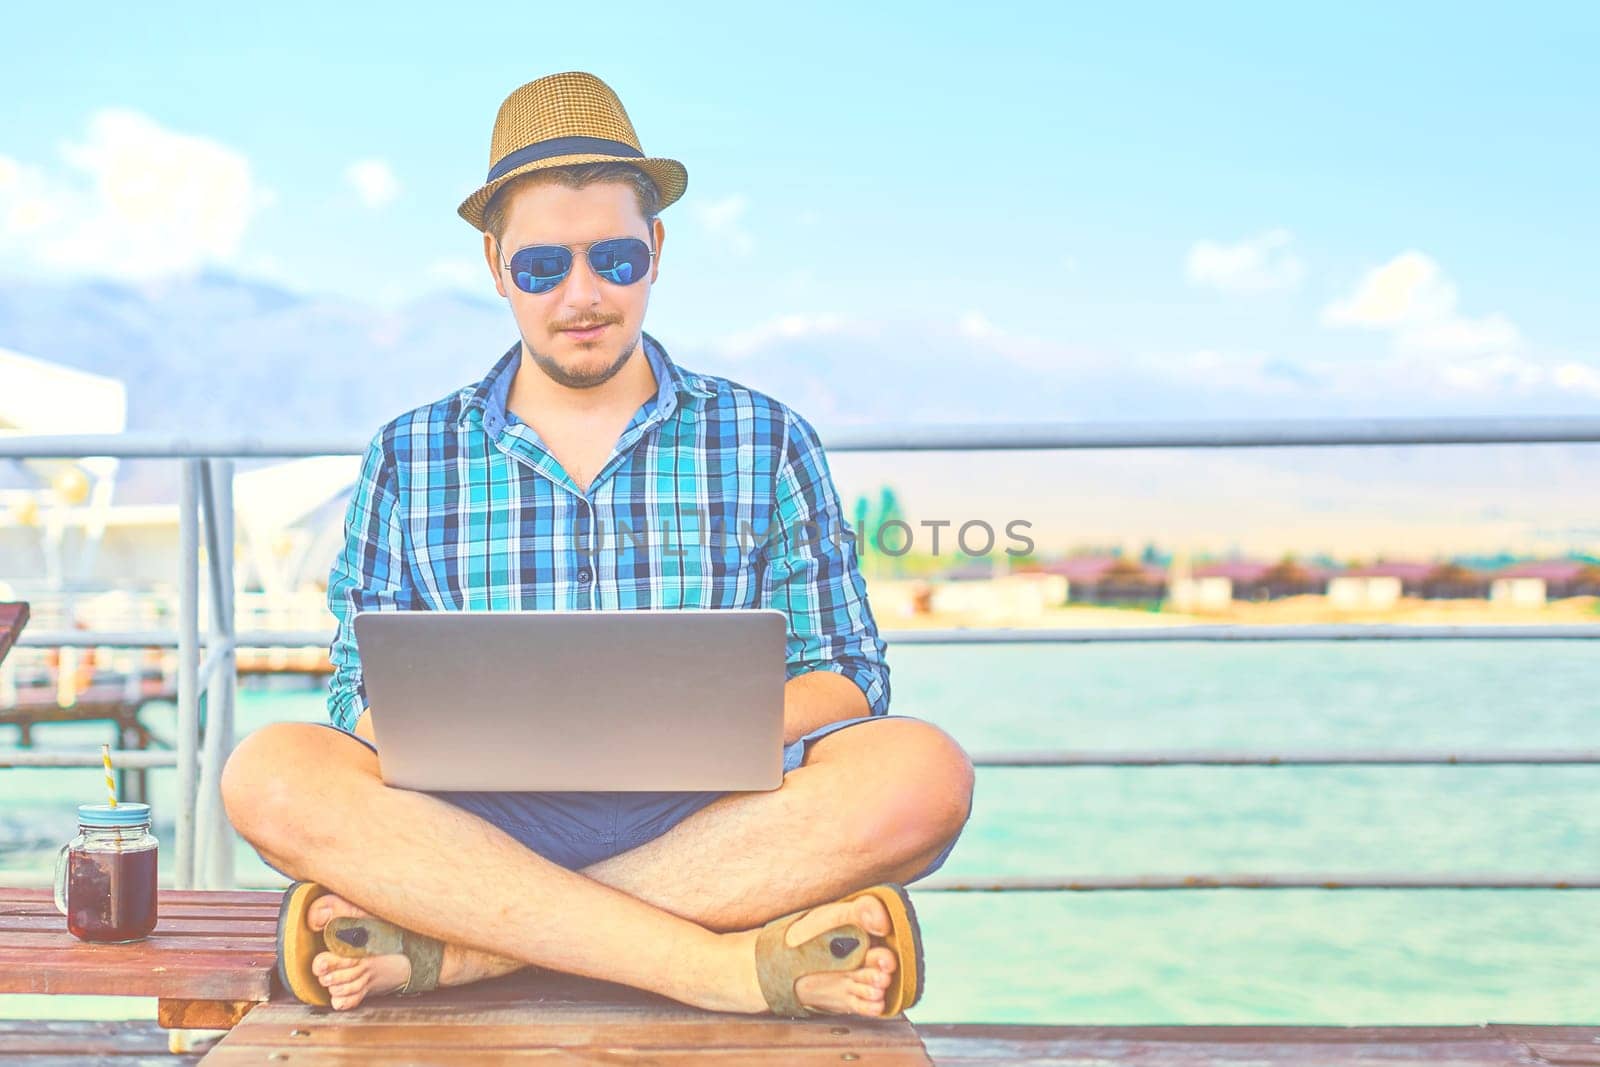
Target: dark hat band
562,146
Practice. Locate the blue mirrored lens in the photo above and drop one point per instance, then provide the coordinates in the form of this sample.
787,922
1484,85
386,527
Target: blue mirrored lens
624,260
540,268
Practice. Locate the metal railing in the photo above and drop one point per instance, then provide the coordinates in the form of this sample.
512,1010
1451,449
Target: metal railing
204,847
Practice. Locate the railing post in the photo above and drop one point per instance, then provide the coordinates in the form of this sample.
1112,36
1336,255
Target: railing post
218,872
188,669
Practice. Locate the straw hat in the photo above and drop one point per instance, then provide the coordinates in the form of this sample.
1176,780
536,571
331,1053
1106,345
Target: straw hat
559,120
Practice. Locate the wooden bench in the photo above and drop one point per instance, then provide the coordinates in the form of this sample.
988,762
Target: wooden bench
208,962
13,617
548,1016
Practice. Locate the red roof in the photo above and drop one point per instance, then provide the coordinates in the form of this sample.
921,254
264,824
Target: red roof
1239,570
1551,570
1091,569
1244,571
1406,572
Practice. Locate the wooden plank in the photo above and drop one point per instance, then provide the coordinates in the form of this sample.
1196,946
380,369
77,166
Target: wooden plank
13,617
552,1017
260,898
515,1025
224,1055
92,1037
201,1014
164,909
17,944
193,977
960,1045
88,1043
1578,1046
167,924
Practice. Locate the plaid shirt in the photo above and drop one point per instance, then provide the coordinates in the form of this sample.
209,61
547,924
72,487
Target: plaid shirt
716,496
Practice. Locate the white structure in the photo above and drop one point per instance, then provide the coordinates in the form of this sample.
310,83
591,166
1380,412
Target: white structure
1015,596
73,496
1517,592
286,517
1200,595
1364,592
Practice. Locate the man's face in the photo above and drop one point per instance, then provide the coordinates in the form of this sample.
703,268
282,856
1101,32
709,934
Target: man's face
557,215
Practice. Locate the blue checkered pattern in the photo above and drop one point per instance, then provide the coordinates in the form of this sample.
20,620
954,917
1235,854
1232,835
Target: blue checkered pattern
716,496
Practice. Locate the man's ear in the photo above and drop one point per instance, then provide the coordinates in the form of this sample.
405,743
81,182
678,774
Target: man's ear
660,232
491,255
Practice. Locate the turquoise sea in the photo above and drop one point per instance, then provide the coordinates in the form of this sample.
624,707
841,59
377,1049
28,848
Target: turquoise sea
1354,957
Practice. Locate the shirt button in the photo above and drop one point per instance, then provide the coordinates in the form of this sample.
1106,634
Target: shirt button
585,574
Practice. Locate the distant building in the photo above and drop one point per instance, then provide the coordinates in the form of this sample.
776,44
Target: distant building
1010,598
1428,581
1561,577
1517,592
1254,580
1372,592
1108,579
1200,595
1411,576
1452,581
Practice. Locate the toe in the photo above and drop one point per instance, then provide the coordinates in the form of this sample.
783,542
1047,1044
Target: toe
330,906
882,958
871,915
344,1003
863,1006
329,963
349,987
867,990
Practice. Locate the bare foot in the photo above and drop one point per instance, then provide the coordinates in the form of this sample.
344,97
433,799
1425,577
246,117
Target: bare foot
857,992
349,980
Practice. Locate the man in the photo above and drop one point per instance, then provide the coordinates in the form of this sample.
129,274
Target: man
508,495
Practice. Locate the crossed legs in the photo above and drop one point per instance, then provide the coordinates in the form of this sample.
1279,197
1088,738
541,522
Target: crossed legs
677,915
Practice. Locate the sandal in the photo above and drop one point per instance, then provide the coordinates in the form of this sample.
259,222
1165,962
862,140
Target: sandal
348,936
779,965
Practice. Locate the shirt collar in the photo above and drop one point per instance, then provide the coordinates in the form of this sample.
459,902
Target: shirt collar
489,396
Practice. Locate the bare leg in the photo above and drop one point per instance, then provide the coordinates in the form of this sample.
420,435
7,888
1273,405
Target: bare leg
847,818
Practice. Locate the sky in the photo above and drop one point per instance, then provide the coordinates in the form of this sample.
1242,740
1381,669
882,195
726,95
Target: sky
1355,181
1368,199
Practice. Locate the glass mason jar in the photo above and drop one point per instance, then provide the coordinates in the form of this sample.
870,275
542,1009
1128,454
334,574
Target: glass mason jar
106,876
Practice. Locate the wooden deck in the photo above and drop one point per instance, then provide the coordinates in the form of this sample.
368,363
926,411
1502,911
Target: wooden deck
130,1043
210,964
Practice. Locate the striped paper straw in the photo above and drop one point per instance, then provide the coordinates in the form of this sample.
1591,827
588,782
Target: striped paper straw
111,783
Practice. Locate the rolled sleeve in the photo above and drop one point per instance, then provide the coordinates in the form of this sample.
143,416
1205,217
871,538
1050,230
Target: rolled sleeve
369,574
809,572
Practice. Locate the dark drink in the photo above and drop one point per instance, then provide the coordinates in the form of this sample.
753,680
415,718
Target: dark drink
106,876
111,896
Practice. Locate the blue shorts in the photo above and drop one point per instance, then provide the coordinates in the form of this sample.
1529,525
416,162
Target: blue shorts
575,829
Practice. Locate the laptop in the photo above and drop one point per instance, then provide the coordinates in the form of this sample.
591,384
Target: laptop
655,699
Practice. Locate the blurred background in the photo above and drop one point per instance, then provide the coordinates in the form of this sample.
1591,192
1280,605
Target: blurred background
243,222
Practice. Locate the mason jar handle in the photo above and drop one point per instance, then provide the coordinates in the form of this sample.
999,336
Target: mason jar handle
61,878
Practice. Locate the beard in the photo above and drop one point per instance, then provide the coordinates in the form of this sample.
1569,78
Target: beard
586,377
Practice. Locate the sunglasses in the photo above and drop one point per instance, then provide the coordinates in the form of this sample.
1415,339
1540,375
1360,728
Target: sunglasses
540,268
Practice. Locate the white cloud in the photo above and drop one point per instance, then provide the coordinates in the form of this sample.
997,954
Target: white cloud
1255,265
720,218
135,201
1024,349
461,274
373,181
781,328
1411,298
